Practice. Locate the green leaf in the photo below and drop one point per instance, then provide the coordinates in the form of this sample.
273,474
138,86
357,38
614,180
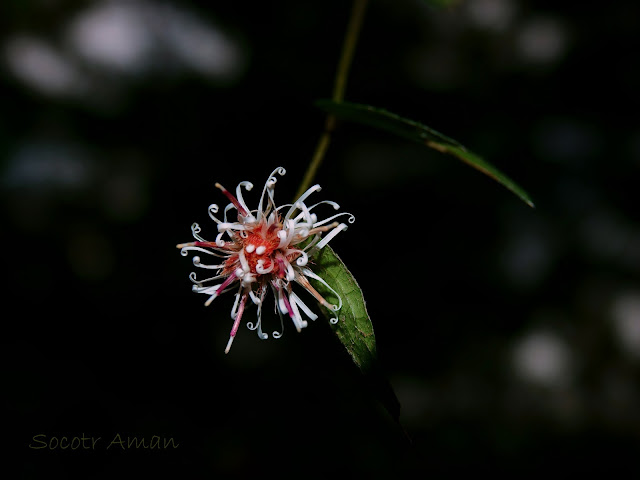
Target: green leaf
390,122
353,328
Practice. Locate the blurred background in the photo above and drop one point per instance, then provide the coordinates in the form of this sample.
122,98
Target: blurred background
510,335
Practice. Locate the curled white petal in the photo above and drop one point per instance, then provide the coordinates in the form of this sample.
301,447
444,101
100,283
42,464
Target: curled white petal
284,205
268,189
310,274
243,261
287,234
295,315
248,186
184,251
195,230
213,208
315,188
258,325
303,214
234,309
329,202
327,220
303,259
196,262
226,210
222,226
282,235
260,267
207,290
330,235
282,305
192,277
302,233
261,334
297,300
310,246
276,294
290,272
219,241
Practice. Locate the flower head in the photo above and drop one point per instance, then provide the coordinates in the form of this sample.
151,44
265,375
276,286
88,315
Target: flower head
266,249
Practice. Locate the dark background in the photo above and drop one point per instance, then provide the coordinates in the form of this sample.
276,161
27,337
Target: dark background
510,335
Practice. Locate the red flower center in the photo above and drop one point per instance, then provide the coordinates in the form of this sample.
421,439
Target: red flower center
257,247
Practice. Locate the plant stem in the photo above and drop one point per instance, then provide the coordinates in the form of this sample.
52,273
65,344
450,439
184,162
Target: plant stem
339,87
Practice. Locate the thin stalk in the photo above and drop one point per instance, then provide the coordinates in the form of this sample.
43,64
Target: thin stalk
340,84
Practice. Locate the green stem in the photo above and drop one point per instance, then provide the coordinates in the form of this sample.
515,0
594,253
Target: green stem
339,87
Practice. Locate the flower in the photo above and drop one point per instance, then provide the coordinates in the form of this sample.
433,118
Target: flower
265,250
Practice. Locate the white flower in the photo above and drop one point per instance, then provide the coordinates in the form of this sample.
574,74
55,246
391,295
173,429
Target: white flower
268,248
